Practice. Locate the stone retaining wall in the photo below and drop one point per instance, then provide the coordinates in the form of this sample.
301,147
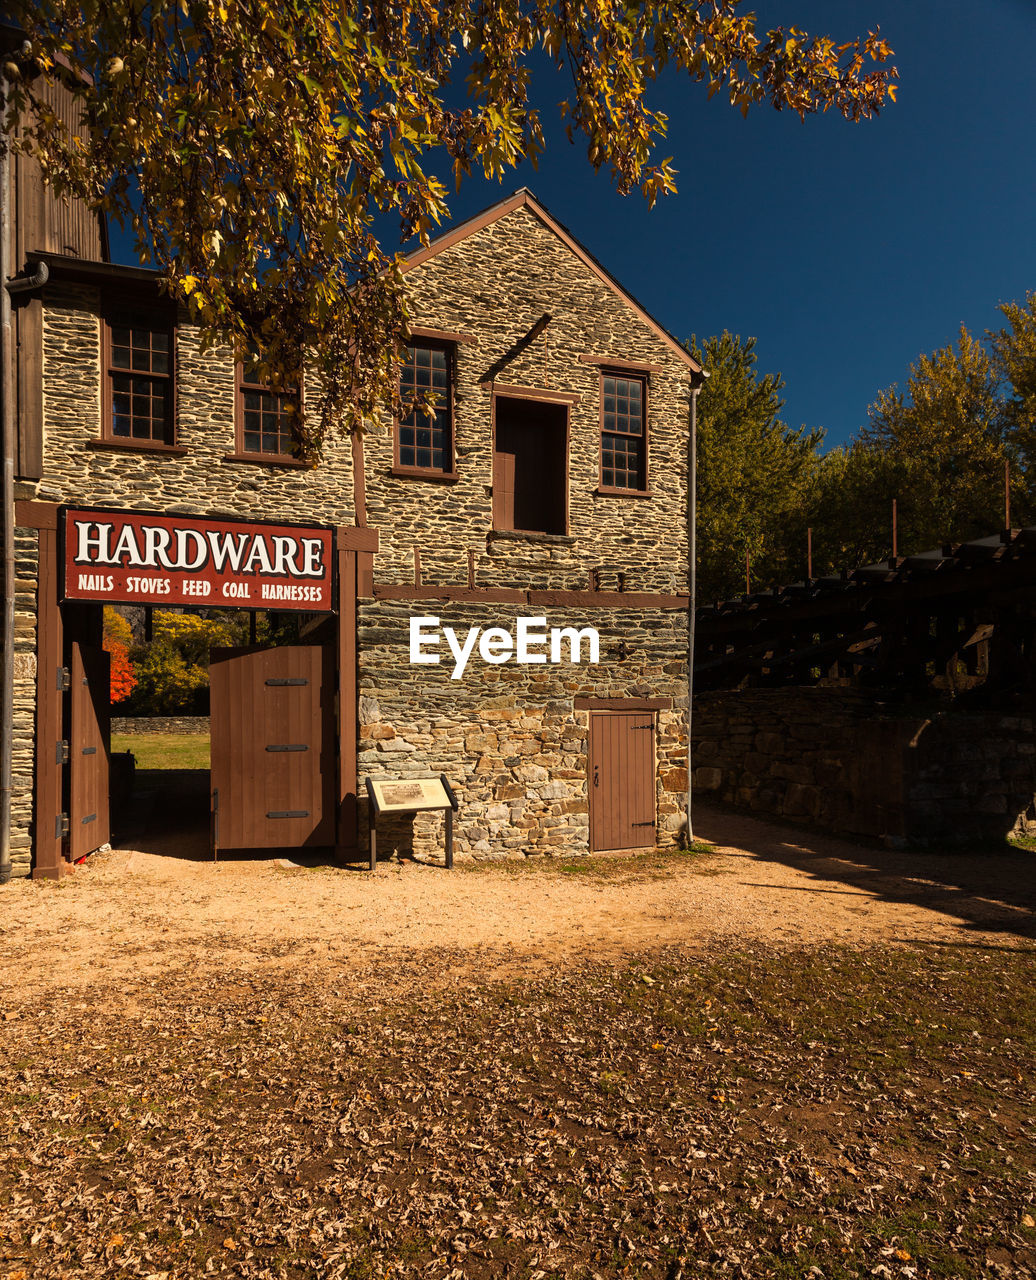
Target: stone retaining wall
838,759
160,724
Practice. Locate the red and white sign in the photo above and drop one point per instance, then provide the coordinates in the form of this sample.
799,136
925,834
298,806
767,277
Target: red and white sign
136,558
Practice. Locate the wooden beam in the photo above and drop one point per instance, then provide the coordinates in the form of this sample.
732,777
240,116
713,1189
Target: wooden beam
348,712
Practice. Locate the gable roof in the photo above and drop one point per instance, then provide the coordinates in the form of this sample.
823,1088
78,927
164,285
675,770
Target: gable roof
524,199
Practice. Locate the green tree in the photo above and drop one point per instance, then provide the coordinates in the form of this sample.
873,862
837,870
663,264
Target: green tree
173,669
1014,354
943,444
754,473
253,146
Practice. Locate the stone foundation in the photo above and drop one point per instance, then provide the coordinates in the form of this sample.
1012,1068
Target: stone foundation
837,759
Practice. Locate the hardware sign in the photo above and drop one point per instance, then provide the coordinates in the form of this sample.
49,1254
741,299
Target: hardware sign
137,558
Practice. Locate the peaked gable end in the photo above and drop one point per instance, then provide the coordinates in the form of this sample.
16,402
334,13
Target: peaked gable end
525,200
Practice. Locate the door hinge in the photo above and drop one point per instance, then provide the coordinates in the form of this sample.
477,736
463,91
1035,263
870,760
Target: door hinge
283,680
62,752
288,813
287,746
64,679
60,826
643,824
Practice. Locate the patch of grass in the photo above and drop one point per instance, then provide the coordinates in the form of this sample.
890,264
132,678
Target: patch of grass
165,750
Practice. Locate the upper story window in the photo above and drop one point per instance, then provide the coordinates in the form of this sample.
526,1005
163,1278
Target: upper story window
623,433
138,381
424,438
267,415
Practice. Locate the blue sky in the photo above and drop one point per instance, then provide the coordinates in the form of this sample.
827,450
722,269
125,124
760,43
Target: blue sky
846,250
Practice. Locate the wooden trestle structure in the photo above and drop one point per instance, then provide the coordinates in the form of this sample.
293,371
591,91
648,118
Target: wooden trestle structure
960,619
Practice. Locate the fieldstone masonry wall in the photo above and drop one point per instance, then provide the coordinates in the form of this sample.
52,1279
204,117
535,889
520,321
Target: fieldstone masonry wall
160,724
508,737
837,759
495,285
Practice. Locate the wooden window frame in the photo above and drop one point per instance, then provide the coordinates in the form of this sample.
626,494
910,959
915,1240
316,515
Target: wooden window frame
241,454
630,374
123,305
446,475
561,400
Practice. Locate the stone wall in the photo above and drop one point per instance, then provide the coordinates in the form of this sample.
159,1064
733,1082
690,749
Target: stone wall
837,759
160,724
508,737
205,480
495,285
23,708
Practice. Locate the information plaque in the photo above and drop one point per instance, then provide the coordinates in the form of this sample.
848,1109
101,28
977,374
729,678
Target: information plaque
411,795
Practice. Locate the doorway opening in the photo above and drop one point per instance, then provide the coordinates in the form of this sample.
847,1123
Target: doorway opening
146,781
530,466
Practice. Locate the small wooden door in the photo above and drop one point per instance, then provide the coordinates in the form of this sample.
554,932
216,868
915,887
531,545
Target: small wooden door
88,746
272,747
622,780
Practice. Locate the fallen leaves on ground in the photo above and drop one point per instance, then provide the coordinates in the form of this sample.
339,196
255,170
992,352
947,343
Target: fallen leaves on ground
827,1113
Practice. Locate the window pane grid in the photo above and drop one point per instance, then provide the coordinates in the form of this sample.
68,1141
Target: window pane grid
425,437
267,416
139,378
623,456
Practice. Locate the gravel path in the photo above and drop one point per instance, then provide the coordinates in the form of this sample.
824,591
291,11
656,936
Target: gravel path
130,915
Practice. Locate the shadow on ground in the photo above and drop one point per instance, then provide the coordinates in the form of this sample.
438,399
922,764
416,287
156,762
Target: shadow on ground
990,889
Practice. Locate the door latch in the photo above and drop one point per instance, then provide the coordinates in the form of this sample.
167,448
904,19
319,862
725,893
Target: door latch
62,752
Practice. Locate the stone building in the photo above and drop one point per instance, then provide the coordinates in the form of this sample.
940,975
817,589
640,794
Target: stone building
549,486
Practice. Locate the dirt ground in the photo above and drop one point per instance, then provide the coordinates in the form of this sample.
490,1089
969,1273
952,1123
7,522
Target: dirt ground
128,915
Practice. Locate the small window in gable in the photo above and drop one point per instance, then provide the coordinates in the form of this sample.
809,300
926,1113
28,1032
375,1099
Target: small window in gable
424,437
623,432
267,414
138,378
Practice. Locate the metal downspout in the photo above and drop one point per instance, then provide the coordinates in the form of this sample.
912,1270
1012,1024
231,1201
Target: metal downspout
692,556
7,427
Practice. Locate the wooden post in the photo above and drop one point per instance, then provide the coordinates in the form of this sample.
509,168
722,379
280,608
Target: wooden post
809,555
471,570
449,839
348,726
895,530
1007,495
417,567
748,573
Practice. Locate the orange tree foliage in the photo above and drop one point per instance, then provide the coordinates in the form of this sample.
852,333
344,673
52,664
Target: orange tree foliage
254,146
117,639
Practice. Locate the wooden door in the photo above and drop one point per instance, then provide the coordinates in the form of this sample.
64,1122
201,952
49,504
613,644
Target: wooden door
622,780
88,746
272,747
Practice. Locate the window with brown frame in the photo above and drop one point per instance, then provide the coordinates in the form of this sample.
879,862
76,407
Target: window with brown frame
623,432
424,440
267,414
139,377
